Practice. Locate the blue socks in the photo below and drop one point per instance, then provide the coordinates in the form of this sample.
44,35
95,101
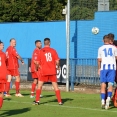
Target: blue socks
103,96
109,94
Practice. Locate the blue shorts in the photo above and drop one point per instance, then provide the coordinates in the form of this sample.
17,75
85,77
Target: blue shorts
107,76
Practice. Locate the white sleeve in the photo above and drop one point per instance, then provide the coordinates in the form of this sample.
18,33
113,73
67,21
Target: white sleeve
99,53
115,51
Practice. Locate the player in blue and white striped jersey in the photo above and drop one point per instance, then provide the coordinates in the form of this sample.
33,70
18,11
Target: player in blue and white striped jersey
107,55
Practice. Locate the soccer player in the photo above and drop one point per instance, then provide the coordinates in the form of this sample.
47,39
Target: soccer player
111,38
12,68
3,72
111,41
48,59
33,68
114,98
107,55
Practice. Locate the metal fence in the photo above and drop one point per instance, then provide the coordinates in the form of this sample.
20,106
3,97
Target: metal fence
84,71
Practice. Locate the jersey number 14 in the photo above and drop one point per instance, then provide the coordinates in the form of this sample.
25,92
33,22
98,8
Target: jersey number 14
108,52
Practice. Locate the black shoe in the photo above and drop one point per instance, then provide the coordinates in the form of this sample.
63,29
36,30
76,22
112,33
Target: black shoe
60,103
35,103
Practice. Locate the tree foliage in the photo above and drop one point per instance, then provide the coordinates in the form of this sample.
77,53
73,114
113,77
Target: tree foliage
85,9
31,10
48,10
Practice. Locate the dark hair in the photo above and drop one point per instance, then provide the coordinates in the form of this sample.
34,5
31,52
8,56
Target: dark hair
1,42
115,42
47,39
12,39
111,36
37,41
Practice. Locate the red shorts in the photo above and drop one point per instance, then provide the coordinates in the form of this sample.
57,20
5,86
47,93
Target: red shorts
13,72
2,87
46,78
34,75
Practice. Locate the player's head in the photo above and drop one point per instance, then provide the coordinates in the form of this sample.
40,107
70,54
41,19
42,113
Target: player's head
38,44
111,38
106,39
115,43
12,42
1,45
47,42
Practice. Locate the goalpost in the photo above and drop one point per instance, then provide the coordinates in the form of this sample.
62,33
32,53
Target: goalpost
68,43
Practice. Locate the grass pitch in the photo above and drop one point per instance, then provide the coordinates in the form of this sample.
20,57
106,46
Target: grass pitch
75,105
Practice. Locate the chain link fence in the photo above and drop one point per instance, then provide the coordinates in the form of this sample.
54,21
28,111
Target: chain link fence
84,15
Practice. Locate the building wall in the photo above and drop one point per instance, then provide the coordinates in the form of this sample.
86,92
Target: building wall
88,43
83,44
26,34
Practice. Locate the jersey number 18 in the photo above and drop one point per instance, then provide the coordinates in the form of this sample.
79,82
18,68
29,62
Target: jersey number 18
48,56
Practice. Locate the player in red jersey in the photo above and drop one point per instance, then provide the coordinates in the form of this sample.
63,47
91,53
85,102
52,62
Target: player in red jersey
12,67
114,98
48,59
33,68
3,72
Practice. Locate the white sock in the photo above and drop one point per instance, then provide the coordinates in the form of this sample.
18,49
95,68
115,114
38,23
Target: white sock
103,101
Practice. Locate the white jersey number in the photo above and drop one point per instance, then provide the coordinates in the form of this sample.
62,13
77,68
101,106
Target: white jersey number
0,61
48,56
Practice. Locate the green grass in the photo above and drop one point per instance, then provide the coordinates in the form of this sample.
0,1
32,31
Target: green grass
75,105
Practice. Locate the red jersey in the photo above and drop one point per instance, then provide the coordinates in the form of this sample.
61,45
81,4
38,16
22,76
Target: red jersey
3,69
34,58
47,60
12,60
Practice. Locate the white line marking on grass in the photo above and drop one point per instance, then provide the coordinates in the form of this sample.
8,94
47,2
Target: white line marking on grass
70,107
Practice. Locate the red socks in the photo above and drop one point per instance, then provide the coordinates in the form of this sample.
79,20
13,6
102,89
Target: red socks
58,96
17,84
33,89
7,87
1,102
38,92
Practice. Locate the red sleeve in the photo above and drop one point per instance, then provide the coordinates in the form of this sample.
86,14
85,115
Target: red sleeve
14,52
35,55
56,56
39,56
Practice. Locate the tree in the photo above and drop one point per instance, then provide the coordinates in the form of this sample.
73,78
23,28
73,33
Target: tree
31,10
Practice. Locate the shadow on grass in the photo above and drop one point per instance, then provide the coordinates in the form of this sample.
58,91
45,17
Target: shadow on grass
111,105
8,113
8,99
55,100
44,96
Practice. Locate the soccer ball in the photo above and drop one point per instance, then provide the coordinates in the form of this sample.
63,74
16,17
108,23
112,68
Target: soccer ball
95,30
